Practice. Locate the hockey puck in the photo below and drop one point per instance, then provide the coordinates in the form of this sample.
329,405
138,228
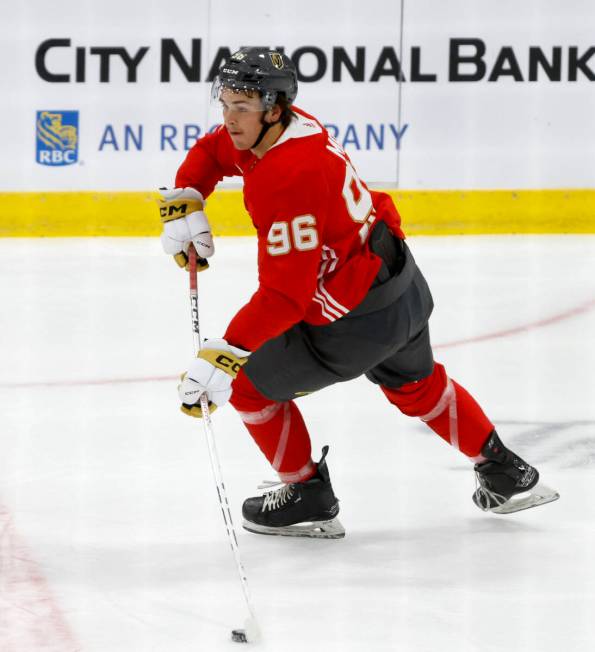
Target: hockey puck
238,636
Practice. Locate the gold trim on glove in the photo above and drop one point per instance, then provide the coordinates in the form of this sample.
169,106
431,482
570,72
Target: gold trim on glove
177,208
196,410
182,261
224,360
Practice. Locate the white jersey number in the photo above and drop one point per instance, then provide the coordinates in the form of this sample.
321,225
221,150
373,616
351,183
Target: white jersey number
300,234
357,199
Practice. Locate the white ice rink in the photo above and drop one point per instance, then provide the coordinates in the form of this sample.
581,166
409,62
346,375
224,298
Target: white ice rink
111,536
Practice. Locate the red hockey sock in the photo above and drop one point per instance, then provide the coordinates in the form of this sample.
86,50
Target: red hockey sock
277,428
447,408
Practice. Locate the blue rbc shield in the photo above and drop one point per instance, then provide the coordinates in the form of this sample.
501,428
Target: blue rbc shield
57,137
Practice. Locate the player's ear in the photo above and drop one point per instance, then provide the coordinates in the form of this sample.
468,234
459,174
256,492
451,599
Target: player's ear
273,114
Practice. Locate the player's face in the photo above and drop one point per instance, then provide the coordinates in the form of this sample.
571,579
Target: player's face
242,116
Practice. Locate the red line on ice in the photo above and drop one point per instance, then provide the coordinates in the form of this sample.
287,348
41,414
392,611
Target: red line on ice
30,618
508,332
548,321
83,381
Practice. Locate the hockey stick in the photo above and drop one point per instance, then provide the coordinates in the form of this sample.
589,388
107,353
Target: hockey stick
250,633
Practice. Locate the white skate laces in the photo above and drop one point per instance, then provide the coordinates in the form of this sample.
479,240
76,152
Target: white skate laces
491,501
486,499
277,498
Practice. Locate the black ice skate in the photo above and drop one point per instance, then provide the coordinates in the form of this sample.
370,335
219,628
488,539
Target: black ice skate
506,483
300,509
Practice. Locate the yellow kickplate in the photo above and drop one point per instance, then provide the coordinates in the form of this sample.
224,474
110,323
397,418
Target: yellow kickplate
431,212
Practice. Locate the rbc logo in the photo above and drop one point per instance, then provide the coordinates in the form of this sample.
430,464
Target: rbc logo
57,137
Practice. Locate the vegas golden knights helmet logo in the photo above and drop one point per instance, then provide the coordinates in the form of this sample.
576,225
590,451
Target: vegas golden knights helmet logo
276,60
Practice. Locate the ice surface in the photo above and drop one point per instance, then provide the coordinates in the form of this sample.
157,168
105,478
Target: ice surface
111,536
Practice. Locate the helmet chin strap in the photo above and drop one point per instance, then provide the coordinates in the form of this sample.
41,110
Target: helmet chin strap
265,127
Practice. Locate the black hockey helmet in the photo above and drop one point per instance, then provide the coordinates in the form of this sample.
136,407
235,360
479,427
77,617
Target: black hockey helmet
258,69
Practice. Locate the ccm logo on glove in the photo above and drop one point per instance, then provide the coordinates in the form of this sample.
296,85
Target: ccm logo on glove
211,373
228,363
193,393
185,224
174,210
233,365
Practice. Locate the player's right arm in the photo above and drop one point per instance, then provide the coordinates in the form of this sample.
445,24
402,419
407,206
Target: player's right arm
181,208
211,158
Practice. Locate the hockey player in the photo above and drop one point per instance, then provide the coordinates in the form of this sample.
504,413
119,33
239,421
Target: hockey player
339,295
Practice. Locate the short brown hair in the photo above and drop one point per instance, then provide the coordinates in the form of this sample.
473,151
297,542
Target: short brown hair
286,113
282,102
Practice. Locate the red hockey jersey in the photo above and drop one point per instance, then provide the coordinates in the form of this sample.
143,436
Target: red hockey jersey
312,216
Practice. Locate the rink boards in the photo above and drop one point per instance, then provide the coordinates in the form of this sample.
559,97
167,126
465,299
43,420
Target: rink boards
424,212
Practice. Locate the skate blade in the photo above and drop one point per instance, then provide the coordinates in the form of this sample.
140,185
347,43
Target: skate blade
313,530
539,495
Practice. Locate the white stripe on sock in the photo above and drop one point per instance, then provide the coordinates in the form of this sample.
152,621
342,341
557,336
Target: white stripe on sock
305,472
261,416
443,403
447,400
283,438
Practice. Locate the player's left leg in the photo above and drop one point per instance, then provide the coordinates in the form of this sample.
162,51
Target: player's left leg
447,408
506,483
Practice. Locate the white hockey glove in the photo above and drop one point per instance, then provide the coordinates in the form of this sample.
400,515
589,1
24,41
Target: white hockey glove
212,371
184,223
